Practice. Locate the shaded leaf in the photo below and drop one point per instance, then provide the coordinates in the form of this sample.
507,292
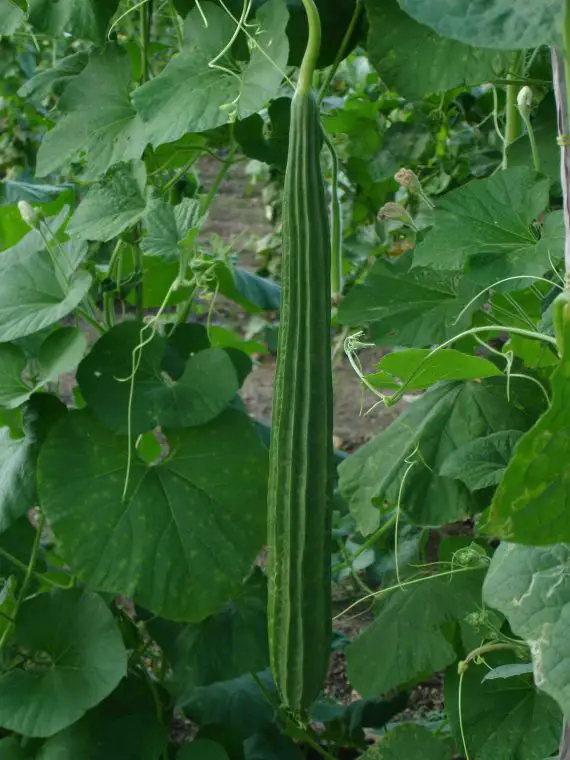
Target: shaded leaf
77,658
503,719
205,386
138,736
247,289
409,741
415,646
43,84
491,23
226,645
12,191
239,704
270,745
272,149
18,457
482,463
194,522
84,19
415,61
202,749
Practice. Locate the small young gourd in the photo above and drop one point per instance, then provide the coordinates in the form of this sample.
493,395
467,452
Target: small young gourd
301,453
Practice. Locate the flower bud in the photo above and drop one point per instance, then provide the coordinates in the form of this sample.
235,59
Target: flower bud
28,214
524,101
409,180
395,211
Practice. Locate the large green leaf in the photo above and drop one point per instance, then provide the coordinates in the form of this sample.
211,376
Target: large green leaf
193,522
112,205
34,292
229,643
99,737
61,352
193,392
239,705
202,749
98,121
531,587
190,95
531,504
419,368
249,290
12,191
491,216
406,646
18,457
86,19
272,148
447,417
45,82
11,748
482,462
415,61
75,658
11,17
127,725
491,23
170,229
270,745
403,307
410,741
503,719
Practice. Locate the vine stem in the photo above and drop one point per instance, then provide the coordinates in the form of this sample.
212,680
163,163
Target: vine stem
219,178
145,21
342,49
22,566
513,123
561,80
27,577
309,62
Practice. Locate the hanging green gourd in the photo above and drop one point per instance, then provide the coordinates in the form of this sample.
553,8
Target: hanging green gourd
300,485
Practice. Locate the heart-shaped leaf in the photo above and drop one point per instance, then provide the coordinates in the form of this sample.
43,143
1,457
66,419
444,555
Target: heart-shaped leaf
75,658
205,386
193,524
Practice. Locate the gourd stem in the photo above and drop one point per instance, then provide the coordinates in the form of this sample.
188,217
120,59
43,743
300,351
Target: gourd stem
513,123
309,62
561,80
